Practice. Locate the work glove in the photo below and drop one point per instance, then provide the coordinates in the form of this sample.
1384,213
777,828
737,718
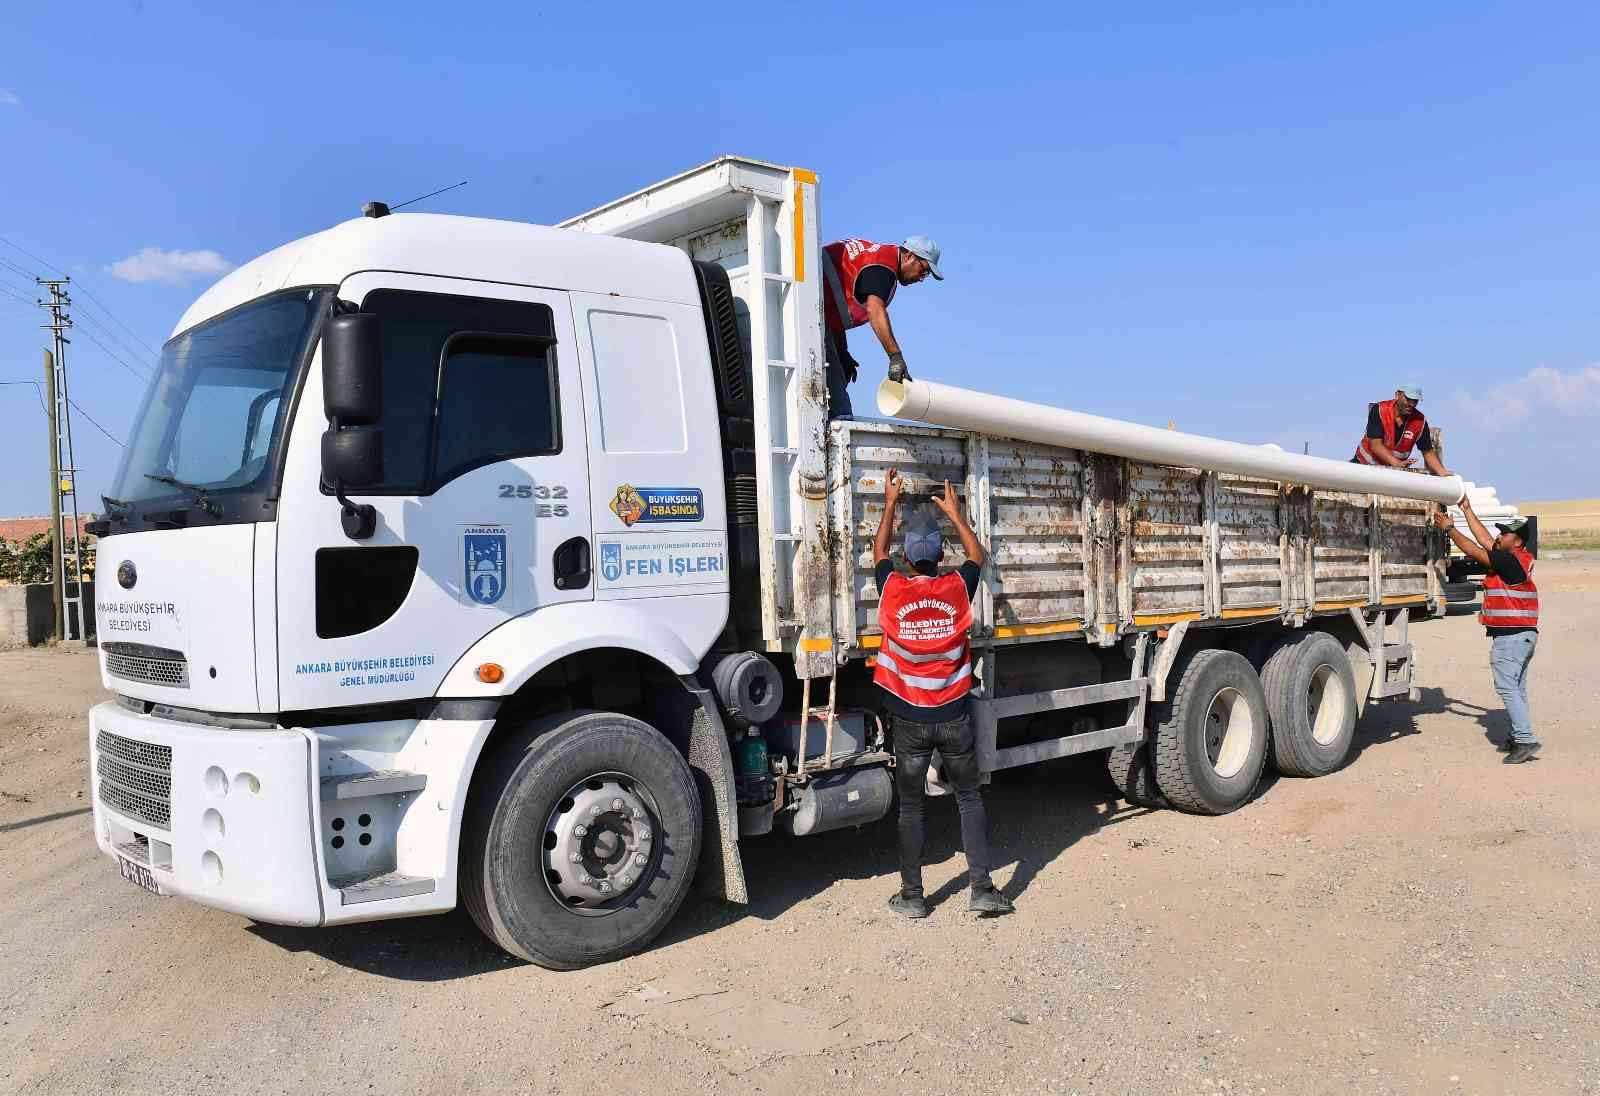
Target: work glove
897,368
851,367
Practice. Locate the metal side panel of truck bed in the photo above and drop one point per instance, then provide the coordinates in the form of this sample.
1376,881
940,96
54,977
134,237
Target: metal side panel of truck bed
1085,543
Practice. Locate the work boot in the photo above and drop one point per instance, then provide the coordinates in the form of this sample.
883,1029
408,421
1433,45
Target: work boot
1522,751
909,906
989,901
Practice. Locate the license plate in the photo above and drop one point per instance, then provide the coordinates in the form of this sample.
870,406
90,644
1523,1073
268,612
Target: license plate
138,874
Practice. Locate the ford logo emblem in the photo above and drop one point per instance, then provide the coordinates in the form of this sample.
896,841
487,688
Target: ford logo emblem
127,574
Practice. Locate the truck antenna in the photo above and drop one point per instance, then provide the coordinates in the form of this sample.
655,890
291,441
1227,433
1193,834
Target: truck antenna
430,194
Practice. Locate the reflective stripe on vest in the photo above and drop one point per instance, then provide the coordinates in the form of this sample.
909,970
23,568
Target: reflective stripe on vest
934,683
842,264
1511,606
1404,439
925,659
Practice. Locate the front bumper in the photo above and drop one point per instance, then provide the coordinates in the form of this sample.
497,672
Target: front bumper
229,826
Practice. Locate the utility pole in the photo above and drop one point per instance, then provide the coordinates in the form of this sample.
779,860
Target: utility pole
57,579
66,468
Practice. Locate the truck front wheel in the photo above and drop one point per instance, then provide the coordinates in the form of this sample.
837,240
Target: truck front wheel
1210,738
581,839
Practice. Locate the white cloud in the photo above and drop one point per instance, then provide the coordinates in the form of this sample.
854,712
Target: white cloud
1542,391
170,267
9,98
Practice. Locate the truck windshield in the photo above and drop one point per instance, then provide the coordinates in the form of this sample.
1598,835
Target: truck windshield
207,436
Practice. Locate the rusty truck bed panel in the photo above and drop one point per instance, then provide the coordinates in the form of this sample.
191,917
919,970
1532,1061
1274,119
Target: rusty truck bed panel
1082,542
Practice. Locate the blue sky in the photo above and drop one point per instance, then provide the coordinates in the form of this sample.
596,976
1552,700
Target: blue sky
1250,221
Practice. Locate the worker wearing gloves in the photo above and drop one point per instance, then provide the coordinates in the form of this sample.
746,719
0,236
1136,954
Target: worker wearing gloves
924,673
861,280
1510,615
1394,428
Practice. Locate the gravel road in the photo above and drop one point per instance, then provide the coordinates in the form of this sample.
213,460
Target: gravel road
1422,921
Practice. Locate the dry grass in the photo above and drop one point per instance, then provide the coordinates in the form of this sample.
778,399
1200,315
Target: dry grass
1566,523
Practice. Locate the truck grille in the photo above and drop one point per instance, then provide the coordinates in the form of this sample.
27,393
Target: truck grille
151,665
135,778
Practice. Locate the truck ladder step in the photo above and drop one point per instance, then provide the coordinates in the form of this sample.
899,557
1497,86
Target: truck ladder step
377,782
391,884
1394,652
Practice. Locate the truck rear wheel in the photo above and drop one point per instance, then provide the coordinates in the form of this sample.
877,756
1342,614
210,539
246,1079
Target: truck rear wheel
1130,770
581,840
1210,736
1311,701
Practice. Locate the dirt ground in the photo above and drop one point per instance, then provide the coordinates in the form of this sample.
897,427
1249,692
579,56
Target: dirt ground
1422,921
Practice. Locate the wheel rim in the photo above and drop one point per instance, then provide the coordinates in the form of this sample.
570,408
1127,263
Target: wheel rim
1230,729
1327,700
601,844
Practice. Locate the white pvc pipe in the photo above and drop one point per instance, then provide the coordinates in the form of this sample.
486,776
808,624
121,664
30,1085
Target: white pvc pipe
963,409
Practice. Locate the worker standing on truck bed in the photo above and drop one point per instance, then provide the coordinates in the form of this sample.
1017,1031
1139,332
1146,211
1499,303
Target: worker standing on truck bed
1394,428
1510,615
925,673
862,278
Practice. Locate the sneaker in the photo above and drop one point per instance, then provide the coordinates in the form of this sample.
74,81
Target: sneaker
1505,744
989,901
1522,751
913,907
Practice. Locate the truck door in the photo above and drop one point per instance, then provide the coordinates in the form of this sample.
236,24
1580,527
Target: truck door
483,512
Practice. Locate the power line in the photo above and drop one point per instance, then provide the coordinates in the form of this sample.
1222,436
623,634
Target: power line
81,287
38,391
18,296
96,425
20,270
99,325
86,333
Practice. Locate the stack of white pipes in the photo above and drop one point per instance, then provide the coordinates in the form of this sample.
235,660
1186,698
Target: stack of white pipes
1486,504
963,409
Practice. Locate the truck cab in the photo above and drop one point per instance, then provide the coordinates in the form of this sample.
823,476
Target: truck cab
388,478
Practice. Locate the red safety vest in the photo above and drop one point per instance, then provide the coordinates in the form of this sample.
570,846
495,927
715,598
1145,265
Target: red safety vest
1508,606
1401,441
844,262
924,659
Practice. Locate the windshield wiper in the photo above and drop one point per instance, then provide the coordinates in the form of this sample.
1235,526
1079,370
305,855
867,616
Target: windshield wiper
202,501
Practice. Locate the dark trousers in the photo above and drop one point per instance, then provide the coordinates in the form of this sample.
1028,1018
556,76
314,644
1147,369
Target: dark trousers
914,744
837,356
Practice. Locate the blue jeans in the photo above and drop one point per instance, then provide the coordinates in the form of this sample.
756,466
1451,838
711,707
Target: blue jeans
1509,657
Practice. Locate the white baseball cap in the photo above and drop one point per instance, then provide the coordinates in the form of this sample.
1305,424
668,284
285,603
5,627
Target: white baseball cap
1410,391
926,248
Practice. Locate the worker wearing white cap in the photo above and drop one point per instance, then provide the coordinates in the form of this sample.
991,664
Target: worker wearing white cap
1396,427
861,280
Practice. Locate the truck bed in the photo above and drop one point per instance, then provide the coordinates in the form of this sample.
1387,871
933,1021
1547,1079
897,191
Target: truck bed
1090,544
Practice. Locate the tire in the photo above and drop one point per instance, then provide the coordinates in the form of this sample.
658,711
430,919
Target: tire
1311,703
1210,737
1130,770
550,792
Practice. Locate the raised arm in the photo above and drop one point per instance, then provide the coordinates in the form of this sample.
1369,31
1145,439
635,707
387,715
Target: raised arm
950,507
891,499
1485,538
1462,541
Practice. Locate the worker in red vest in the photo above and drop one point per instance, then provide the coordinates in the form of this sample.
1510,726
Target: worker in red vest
861,279
1394,428
1510,615
924,673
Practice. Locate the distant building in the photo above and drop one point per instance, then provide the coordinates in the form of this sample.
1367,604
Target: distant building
18,530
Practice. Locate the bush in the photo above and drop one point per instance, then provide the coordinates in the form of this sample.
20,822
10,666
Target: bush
30,560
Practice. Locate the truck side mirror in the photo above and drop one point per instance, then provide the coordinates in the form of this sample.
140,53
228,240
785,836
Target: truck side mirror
352,398
352,457
352,370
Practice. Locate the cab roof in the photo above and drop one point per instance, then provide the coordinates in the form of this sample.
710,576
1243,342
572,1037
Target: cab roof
457,247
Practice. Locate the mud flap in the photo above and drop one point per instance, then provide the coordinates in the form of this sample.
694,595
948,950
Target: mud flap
721,872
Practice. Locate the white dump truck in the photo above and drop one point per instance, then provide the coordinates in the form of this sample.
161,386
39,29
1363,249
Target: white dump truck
461,560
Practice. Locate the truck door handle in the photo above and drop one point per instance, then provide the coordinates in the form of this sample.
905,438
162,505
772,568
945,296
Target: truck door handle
572,564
